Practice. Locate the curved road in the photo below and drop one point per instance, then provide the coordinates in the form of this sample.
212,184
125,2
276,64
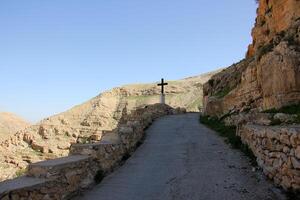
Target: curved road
183,160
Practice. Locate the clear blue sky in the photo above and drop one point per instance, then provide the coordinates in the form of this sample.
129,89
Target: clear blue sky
55,54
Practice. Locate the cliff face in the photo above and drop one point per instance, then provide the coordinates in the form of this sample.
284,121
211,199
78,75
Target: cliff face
269,77
273,17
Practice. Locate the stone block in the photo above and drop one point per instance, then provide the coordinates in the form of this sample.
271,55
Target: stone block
285,139
20,183
297,152
295,162
53,168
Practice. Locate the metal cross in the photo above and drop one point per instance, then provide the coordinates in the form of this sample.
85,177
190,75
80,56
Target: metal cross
162,84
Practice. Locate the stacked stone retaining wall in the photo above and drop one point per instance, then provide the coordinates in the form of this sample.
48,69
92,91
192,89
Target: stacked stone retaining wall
277,149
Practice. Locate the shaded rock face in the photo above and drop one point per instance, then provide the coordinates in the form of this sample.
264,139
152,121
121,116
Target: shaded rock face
273,17
270,77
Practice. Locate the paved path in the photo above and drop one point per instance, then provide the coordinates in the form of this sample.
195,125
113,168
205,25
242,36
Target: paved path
183,160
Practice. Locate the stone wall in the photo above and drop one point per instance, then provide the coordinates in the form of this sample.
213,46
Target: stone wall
65,177
277,149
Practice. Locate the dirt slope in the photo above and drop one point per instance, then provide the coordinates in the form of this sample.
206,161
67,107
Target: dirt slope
10,123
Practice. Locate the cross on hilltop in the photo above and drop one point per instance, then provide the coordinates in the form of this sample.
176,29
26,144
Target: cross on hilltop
162,84
162,95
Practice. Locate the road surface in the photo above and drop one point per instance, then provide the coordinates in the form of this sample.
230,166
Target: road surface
181,159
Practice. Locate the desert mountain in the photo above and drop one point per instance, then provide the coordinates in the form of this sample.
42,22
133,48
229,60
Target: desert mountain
10,124
93,119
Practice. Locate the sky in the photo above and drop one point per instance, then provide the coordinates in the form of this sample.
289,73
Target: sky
55,54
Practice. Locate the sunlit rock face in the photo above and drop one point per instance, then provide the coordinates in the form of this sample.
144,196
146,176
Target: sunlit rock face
273,17
269,77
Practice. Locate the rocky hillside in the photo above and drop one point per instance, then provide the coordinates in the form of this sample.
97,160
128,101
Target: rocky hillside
91,121
9,124
269,77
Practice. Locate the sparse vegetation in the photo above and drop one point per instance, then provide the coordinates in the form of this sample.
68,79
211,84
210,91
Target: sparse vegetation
196,104
290,109
275,122
66,134
269,10
223,92
83,140
37,152
263,22
21,172
264,50
229,132
211,82
290,39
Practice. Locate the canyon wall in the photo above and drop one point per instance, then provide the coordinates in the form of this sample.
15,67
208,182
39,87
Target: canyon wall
269,77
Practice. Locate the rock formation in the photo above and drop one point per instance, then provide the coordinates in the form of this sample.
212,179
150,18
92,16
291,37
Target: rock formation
269,76
273,18
90,121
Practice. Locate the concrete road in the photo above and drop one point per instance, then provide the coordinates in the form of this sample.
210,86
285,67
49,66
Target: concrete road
183,160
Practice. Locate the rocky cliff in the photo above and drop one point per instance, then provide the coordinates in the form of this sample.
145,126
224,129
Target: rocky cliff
273,18
91,121
269,77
